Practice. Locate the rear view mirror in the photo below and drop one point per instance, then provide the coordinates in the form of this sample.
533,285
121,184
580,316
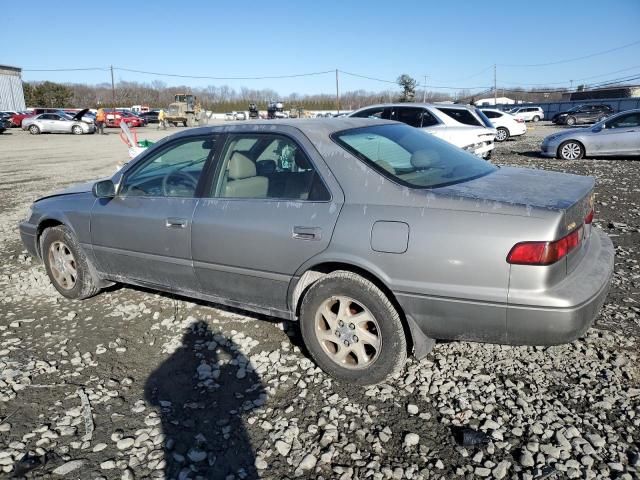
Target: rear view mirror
104,189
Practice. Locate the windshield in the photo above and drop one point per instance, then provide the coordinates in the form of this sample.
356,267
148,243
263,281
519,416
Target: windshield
411,156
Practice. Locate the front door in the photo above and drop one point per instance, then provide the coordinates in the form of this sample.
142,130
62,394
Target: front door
620,135
269,211
144,233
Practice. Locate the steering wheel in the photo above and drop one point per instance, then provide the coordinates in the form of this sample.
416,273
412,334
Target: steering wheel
193,181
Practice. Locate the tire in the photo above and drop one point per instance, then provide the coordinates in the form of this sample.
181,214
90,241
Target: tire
502,134
535,119
570,150
571,121
77,130
66,264
34,130
382,349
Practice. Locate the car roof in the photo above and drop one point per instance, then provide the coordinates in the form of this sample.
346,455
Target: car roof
420,104
307,126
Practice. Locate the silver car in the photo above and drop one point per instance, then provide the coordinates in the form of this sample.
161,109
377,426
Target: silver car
58,123
618,135
377,238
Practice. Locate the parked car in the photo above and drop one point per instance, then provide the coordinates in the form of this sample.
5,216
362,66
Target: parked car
133,119
150,117
4,125
528,114
114,118
16,120
618,135
57,123
372,234
506,125
457,124
583,114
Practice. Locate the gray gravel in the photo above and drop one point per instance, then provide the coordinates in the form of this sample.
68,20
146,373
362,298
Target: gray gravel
180,389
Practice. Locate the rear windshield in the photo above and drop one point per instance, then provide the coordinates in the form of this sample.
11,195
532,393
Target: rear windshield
412,157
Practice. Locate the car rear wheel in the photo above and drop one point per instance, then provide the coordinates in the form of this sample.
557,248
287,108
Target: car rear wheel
502,134
536,118
571,121
352,330
34,130
77,130
66,264
571,150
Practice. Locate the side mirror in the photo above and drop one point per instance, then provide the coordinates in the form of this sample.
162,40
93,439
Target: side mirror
104,189
597,128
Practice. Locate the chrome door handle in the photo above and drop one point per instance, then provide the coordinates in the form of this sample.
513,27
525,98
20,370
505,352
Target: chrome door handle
307,233
174,222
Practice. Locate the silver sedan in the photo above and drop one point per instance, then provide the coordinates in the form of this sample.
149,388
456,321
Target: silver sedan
57,123
376,237
618,135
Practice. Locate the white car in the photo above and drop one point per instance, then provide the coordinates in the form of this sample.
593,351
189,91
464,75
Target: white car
528,114
506,124
459,125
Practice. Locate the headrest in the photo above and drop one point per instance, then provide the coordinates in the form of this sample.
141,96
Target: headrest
301,160
425,158
240,166
265,167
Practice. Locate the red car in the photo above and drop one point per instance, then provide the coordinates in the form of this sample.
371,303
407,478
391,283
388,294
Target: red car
113,119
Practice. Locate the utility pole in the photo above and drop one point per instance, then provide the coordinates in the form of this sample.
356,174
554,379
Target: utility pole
495,89
424,91
113,89
337,93
570,85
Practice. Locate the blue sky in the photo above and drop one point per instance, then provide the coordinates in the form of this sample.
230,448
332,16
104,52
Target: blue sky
454,42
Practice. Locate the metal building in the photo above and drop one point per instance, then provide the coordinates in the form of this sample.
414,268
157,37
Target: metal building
11,93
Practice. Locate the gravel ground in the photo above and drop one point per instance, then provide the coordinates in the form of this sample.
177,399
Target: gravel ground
136,384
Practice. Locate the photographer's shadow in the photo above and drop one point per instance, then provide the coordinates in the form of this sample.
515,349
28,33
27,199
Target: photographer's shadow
203,393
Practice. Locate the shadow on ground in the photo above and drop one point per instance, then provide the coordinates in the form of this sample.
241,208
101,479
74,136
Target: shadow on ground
203,393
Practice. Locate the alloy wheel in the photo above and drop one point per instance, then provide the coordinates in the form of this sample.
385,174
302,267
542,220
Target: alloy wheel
348,332
63,265
571,151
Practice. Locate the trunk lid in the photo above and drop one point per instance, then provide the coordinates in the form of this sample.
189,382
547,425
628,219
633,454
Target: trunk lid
563,192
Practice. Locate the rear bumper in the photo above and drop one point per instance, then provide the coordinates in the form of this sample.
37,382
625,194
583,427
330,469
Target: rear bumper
583,292
581,295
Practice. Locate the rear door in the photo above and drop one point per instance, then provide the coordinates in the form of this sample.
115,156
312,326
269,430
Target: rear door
272,206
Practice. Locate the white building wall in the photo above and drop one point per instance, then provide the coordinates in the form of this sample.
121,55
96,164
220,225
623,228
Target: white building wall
11,93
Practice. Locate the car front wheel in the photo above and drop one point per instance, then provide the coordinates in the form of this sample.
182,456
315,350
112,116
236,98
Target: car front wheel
502,134
571,121
34,130
571,150
352,330
66,264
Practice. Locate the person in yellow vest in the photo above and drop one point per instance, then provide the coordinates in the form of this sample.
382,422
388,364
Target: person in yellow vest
161,122
100,118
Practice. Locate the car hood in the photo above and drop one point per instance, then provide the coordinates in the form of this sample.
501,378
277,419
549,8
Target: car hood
527,187
85,187
566,133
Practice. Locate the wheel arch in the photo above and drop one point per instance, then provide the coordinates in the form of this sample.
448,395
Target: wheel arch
417,341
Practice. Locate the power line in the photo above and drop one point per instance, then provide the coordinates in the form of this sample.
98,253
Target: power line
66,69
267,77
572,59
574,80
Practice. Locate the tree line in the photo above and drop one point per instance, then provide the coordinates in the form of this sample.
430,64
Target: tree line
224,98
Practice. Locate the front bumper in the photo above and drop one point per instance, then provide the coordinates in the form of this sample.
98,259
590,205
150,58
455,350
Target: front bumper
28,235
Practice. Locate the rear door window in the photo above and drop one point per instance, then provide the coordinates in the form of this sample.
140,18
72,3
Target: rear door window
462,115
410,115
383,113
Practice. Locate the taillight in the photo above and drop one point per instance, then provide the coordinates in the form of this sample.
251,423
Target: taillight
544,253
519,120
589,218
